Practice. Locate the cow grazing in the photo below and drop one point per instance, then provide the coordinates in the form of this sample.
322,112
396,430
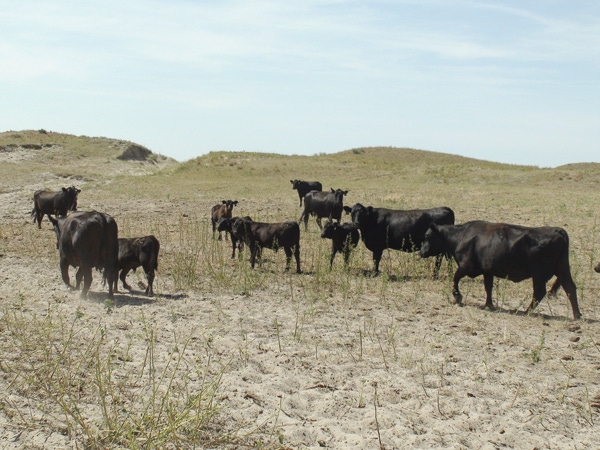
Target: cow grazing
304,187
136,252
87,240
403,230
323,204
506,251
226,224
344,238
258,235
56,203
222,210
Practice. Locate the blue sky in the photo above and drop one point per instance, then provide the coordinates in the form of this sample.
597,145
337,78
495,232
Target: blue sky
508,81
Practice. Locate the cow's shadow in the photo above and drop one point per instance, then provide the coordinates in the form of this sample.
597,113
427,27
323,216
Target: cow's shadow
132,298
523,313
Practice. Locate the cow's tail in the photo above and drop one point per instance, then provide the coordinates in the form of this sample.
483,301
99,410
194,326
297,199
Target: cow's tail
33,215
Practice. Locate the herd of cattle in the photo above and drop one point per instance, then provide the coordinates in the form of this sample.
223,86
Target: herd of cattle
88,240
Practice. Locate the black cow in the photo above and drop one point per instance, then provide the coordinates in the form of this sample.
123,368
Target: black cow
403,230
226,224
258,235
87,240
304,187
223,210
323,204
344,238
57,203
597,268
506,251
136,252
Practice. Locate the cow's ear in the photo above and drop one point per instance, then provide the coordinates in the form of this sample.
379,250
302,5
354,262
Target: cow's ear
347,209
235,202
369,209
434,229
224,202
64,189
332,190
292,181
345,192
53,220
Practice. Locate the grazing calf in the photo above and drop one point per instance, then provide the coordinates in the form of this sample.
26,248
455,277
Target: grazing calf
323,204
258,235
57,203
506,251
226,224
136,252
403,230
87,240
304,187
223,210
344,238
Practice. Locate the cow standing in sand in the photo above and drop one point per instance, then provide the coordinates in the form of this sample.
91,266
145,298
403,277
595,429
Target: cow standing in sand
56,203
506,251
225,209
304,187
87,240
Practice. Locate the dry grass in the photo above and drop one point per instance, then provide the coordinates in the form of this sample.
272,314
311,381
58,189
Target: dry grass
226,355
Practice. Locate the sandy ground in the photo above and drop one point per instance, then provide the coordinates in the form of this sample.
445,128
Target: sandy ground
400,368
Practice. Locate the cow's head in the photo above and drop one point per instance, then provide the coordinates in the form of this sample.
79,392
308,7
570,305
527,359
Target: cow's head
295,183
229,204
359,214
70,195
329,229
339,195
224,224
433,243
238,227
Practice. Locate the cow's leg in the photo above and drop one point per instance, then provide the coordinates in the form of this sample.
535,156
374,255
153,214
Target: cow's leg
150,279
115,281
333,253
566,280
288,257
539,292
319,223
123,276
458,275
304,216
377,259
87,281
488,282
78,277
554,288
64,271
438,265
253,254
297,257
39,216
233,245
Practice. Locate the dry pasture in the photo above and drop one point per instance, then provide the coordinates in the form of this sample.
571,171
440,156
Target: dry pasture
229,357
